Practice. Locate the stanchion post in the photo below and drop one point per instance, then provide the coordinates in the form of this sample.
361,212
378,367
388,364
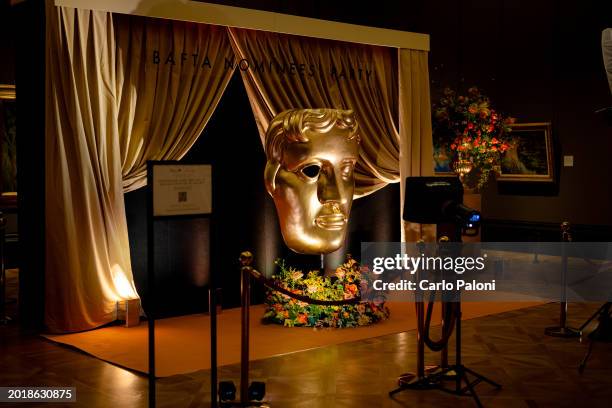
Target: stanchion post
212,302
151,285
562,330
246,258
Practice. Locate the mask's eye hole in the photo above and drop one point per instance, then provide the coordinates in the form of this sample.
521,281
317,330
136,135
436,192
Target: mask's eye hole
311,171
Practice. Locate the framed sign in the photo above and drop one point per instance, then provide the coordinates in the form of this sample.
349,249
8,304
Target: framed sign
530,156
180,189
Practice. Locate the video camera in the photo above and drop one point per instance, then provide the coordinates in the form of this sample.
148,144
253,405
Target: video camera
439,200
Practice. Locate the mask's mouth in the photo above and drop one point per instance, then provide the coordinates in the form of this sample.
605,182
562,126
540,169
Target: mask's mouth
331,217
330,222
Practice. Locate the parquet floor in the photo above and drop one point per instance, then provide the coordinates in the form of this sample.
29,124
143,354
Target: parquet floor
535,370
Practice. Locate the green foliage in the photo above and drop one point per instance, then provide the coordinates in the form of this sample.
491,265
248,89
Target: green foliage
347,283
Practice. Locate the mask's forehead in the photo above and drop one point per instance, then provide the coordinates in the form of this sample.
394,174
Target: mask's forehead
333,147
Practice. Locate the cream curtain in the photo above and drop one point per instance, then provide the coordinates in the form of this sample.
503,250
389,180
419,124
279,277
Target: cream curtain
121,91
416,143
395,120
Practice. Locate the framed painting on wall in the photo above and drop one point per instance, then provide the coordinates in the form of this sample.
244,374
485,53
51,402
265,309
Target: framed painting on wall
443,155
530,156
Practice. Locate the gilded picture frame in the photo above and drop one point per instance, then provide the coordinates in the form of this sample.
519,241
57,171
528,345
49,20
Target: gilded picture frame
530,157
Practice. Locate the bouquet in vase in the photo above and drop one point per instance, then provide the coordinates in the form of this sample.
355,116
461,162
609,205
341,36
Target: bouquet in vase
477,134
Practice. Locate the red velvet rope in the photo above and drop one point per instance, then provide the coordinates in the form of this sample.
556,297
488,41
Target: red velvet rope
274,286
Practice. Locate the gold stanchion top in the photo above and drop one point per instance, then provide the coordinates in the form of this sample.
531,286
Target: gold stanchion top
566,235
246,258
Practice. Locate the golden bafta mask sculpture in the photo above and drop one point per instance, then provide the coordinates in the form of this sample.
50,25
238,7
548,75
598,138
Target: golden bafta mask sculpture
309,174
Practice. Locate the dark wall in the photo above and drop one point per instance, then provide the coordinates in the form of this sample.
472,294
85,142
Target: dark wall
540,61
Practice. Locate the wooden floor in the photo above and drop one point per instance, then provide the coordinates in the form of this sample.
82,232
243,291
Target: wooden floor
535,370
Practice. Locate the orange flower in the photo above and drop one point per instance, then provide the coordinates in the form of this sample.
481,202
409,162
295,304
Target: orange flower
302,319
352,288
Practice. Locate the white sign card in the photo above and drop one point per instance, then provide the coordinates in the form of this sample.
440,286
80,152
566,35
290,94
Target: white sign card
182,189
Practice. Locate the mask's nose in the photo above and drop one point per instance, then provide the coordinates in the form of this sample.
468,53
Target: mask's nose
328,189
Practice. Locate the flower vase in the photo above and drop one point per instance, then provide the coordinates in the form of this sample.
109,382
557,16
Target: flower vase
463,167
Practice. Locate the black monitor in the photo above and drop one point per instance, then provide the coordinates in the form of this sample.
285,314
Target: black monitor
438,200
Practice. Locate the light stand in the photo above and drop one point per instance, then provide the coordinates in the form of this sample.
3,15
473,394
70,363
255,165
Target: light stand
603,332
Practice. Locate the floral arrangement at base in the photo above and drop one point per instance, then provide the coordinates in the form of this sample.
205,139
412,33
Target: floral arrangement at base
347,283
478,134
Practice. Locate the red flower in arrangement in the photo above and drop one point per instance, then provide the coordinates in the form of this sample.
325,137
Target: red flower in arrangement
479,133
302,318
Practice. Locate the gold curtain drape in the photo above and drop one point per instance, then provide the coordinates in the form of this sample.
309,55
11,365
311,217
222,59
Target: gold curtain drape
395,121
281,72
170,78
121,90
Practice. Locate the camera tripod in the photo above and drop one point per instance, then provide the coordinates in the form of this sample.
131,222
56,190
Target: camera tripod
602,333
434,378
457,372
